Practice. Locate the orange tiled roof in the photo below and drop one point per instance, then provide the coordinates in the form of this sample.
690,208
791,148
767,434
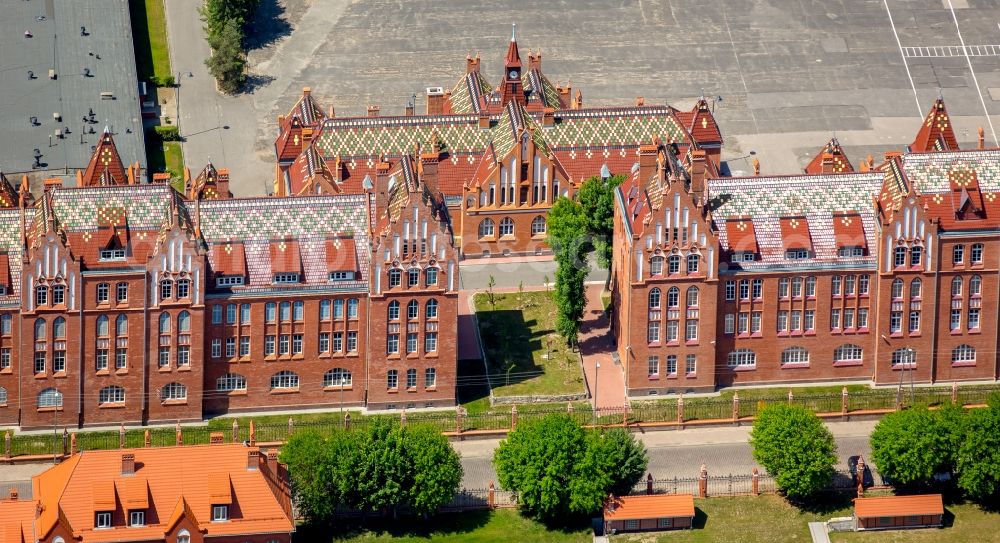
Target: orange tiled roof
106,167
937,133
848,229
795,233
285,257
172,482
15,520
229,259
830,159
742,235
896,506
654,506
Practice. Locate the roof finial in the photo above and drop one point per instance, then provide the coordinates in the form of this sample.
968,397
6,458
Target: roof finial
513,31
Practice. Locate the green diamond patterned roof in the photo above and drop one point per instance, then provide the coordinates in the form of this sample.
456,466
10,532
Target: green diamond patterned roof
78,209
549,94
929,171
465,94
10,243
508,127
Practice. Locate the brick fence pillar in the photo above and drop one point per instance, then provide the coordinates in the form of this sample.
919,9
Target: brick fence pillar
291,426
458,419
236,431
121,436
899,399
791,396
179,437
347,421
147,440
402,419
649,483
843,402
253,434
703,482
755,482
72,443
569,408
861,477
736,408
513,418
491,499
680,411
65,442
6,444
954,393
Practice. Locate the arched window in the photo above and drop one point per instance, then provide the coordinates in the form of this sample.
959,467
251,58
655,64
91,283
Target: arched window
337,377
183,536
230,382
50,397
674,264
164,323
121,325
538,226
692,263
39,329
3,396
431,309
183,322
102,326
166,289
847,353
111,394
673,297
173,391
692,297
975,285
899,256
904,356
963,353
59,328
795,355
654,298
412,310
915,288
395,277
915,253
897,289
656,265
507,227
394,310
956,286
486,228
284,380
741,358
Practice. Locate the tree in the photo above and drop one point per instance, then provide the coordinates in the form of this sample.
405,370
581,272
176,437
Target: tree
911,446
795,447
597,197
313,487
385,471
567,235
979,455
437,470
557,468
227,63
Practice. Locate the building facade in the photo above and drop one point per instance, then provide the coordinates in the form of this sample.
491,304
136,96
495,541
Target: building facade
887,274
129,302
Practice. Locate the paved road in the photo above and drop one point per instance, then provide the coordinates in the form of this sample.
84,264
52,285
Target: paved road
724,450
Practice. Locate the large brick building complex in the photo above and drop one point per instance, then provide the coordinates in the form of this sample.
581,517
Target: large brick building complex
129,302
888,274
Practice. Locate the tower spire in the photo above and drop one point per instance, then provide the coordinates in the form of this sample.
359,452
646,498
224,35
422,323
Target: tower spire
513,31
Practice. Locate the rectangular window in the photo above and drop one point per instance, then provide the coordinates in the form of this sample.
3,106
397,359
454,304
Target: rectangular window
103,293
411,343
59,361
352,308
324,342
121,294
430,342
835,283
848,318
977,253
758,288
744,290
411,378
665,523
341,276
653,366
744,323
112,254
269,312
958,254
782,321
730,290
430,378
631,524
796,322
392,344
39,361
298,311
690,330
244,313
691,364
783,287
285,312
896,322
163,358
671,364
338,309
137,518
284,344
102,359
392,379
220,513
183,356
338,342
285,278
730,323
5,325
671,331
835,318
956,319
121,359
755,319
245,346
797,287
863,284
863,317
5,356
809,319
849,283
296,343
797,254
268,345
973,319
216,348
810,287
228,280
653,332
216,314
230,347
102,520
324,310
352,342
914,321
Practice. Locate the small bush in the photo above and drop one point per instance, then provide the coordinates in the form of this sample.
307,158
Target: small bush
168,133
164,81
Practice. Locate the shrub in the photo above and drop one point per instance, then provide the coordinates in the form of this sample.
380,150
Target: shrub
795,447
168,132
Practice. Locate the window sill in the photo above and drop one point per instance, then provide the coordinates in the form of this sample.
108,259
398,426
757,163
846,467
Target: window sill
955,332
900,367
121,372
115,405
744,368
671,376
392,391
971,331
809,333
848,363
235,393
59,375
49,409
103,372
795,365
914,334
42,375
783,333
654,377
278,391
896,335
432,354
165,369
969,364
338,388
691,376
411,389
186,367
174,402
6,371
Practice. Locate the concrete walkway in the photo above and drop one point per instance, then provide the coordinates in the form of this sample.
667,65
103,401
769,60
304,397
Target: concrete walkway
818,532
607,385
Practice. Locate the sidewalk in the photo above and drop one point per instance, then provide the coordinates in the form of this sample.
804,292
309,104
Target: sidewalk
607,385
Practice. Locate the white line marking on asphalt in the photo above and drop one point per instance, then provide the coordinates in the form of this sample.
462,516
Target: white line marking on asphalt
739,67
974,78
902,55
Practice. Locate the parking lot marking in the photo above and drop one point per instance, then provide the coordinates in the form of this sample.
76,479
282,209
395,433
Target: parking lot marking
975,80
946,51
916,100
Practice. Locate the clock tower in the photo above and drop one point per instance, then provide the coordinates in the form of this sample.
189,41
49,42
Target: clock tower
512,90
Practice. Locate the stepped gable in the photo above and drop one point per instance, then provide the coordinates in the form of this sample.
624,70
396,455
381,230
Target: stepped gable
297,228
937,132
105,167
961,190
762,207
829,159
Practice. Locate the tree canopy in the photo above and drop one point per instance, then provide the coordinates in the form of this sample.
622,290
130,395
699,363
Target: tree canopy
567,235
978,461
911,446
795,447
597,198
227,63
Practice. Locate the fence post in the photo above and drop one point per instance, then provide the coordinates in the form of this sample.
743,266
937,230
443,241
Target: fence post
843,403
65,442
899,399
625,416
649,483
72,443
458,419
736,408
791,396
513,418
347,421
861,476
402,418
755,482
680,411
121,436
291,426
147,440
491,500
703,482
253,434
179,438
569,408
236,431
954,393
6,445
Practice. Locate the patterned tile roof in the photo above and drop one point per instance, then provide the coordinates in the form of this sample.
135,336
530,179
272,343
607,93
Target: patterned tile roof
105,167
767,200
534,79
930,172
8,196
465,96
832,155
10,244
961,189
937,132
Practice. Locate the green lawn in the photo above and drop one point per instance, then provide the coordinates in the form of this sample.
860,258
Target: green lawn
519,336
498,526
165,156
149,34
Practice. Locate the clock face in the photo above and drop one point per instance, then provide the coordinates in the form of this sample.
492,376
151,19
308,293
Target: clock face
513,74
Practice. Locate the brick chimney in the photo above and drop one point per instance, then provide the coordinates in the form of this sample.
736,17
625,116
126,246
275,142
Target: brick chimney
548,117
826,163
222,181
253,459
535,60
128,464
53,183
429,167
640,101
435,101
373,110
647,161
484,120
697,175
381,184
472,64
272,461
408,110
577,100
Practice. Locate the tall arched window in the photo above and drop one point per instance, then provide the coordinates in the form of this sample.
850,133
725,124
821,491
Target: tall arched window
915,288
486,228
897,289
121,325
230,382
111,394
183,322
337,377
654,298
956,287
59,328
507,227
164,323
673,297
39,329
50,397
538,226
904,356
431,309
173,391
975,285
393,310
848,353
692,297
656,265
102,326
285,380
674,264
795,355
412,310
963,353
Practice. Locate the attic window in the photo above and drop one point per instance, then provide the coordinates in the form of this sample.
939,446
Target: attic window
220,513
112,254
797,254
341,276
137,518
228,280
742,256
102,519
285,278
850,251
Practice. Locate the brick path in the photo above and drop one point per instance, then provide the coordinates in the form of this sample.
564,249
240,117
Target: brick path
596,346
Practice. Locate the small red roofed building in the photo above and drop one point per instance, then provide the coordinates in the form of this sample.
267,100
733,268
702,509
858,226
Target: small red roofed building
897,512
206,493
648,513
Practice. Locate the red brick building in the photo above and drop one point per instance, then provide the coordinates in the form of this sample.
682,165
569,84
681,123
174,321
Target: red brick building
504,154
884,274
127,302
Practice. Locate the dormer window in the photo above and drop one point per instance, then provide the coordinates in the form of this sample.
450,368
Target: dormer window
102,519
845,252
224,281
285,278
112,254
220,513
341,276
797,254
137,518
742,256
